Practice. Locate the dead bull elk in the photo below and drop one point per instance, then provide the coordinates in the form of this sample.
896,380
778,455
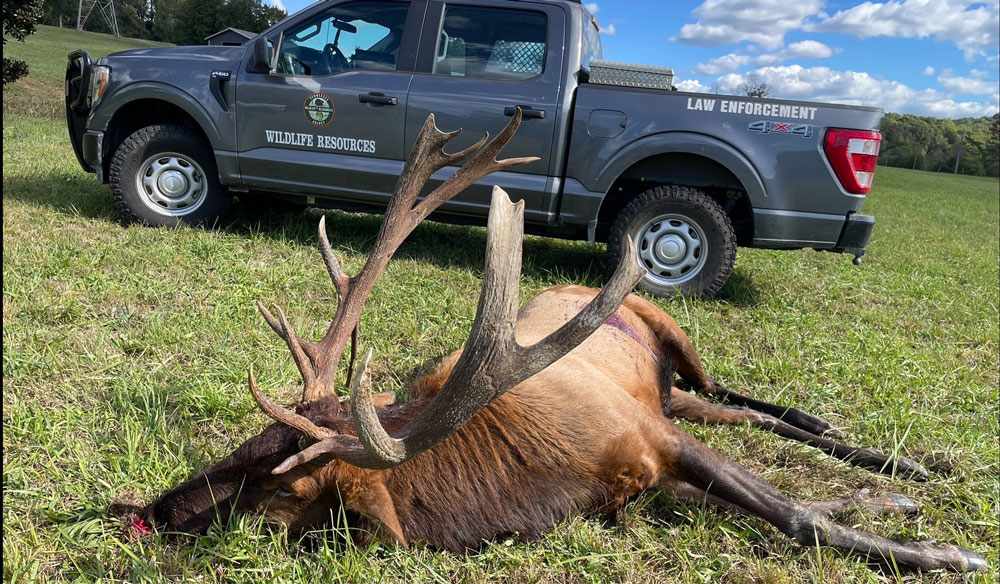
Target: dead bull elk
562,407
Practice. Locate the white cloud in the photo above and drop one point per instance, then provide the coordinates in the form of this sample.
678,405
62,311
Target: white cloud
974,85
279,5
928,70
608,30
808,49
730,62
593,8
693,86
762,22
973,26
858,88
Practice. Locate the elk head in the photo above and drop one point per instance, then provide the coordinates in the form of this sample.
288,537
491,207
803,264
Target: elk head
326,455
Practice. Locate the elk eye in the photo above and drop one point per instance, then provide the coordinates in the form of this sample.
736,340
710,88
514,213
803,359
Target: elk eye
284,491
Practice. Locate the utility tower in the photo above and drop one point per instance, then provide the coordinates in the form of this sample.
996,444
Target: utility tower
106,8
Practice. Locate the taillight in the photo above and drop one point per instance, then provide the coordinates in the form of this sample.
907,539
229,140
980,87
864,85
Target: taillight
853,154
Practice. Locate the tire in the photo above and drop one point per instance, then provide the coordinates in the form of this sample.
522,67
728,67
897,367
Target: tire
165,175
682,237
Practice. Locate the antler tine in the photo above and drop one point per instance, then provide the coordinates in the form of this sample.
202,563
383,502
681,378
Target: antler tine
485,162
271,321
286,416
372,436
302,361
531,360
341,282
426,158
303,351
275,324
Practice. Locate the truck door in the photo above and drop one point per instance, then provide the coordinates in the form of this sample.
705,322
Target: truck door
487,60
329,120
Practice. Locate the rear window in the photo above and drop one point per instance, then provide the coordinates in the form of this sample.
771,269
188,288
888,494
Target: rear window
491,43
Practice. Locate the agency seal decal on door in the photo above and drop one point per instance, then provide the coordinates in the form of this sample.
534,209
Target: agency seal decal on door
319,109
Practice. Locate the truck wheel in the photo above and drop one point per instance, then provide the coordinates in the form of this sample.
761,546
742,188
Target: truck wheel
681,236
165,175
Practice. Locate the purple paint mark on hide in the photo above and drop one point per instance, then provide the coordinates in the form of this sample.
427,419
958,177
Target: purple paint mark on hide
618,323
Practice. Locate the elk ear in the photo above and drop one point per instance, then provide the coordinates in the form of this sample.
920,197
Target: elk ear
373,502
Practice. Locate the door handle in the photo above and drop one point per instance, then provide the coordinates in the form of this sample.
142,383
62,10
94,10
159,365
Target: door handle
526,111
216,84
376,98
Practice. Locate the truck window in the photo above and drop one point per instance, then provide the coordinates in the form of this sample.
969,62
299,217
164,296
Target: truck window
491,43
355,35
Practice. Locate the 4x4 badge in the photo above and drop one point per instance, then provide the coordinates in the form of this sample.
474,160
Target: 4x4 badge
319,109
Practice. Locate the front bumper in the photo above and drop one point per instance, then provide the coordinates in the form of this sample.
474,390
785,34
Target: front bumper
86,146
92,146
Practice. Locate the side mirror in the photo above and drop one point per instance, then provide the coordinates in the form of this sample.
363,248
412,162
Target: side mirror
259,61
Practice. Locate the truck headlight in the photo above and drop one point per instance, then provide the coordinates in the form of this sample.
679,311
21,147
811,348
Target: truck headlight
99,77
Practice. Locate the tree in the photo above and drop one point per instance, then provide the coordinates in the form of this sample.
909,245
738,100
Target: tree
59,13
197,20
19,18
754,86
250,15
993,147
167,20
925,143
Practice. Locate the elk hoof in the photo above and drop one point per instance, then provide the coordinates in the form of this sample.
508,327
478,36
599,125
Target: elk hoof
911,469
973,562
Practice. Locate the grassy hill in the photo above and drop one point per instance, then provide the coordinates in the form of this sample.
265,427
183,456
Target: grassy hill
41,92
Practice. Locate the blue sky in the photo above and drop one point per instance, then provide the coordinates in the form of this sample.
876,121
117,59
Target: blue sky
926,57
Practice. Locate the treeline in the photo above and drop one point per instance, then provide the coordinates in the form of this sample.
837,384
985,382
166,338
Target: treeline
181,22
936,144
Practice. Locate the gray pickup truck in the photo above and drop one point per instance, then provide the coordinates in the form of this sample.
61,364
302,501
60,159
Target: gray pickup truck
322,109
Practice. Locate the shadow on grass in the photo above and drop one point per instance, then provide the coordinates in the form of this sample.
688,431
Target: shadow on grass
549,261
69,193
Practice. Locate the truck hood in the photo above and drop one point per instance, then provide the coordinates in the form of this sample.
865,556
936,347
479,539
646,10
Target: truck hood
211,53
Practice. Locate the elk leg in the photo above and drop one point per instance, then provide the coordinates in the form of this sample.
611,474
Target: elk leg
687,460
689,407
878,505
792,416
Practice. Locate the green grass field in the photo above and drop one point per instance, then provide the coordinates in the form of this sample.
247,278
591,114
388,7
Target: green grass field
126,349
40,94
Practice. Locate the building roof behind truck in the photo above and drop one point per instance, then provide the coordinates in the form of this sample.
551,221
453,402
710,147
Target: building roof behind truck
243,33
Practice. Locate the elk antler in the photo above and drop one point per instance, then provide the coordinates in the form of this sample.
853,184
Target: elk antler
492,362
318,362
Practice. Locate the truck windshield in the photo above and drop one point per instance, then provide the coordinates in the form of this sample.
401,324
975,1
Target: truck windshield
356,35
